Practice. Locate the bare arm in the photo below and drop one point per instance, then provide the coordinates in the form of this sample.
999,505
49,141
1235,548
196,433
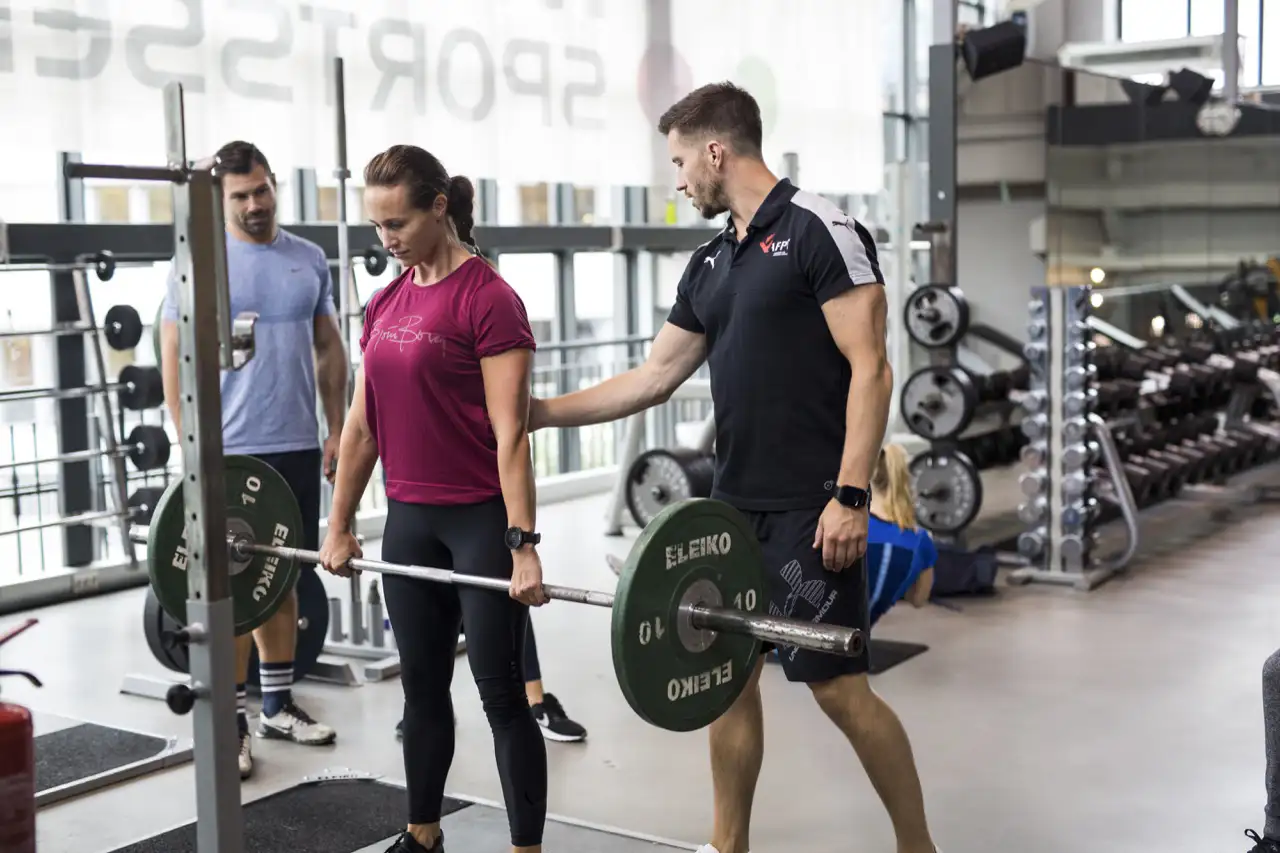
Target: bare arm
856,319
169,371
331,370
674,356
506,394
357,455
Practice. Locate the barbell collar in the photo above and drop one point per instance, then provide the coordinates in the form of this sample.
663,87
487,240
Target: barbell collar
792,632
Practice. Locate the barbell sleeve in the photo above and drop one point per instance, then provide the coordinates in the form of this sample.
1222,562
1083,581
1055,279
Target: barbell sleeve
829,639
789,632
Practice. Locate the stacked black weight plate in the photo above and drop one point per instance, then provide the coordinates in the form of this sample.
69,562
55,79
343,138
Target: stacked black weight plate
313,629
661,477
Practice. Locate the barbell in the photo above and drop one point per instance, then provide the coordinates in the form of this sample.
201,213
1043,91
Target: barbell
147,447
138,388
122,328
687,615
103,265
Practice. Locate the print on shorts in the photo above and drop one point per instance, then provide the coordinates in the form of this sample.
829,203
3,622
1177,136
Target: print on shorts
813,592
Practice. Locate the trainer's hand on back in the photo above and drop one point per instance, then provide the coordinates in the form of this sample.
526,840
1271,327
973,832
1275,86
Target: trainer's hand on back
337,550
841,535
526,578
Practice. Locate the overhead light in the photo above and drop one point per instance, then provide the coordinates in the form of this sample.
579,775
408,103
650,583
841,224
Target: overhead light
1157,325
1096,300
1097,275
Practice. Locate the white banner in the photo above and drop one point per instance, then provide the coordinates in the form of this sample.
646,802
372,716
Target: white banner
815,68
517,90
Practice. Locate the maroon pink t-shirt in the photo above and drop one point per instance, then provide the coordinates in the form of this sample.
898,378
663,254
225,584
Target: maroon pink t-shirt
423,389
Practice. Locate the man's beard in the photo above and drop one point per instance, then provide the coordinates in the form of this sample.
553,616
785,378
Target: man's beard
256,225
712,202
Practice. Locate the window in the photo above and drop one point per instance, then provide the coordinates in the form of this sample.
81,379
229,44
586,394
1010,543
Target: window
1271,43
1207,19
593,290
160,205
1149,20
107,204
534,207
534,278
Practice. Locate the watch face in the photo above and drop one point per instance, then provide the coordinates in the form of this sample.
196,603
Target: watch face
514,539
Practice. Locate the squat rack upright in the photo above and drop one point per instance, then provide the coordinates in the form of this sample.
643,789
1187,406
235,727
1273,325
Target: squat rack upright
204,350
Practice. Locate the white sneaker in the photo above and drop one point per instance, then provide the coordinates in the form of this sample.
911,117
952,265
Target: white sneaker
245,759
293,723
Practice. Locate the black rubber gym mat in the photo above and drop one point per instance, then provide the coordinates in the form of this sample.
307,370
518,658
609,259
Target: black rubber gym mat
335,816
78,752
886,654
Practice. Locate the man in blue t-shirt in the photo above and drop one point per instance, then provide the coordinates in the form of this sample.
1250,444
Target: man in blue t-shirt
269,406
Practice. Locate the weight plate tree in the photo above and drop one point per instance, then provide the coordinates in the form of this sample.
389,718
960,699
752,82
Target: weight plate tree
658,478
162,631
687,620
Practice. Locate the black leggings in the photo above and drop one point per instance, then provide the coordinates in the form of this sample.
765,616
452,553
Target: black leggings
425,617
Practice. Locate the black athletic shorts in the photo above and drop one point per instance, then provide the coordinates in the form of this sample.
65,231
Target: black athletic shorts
801,588
301,470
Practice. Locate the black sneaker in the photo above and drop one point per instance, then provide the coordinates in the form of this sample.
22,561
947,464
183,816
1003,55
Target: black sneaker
406,843
555,723
1262,845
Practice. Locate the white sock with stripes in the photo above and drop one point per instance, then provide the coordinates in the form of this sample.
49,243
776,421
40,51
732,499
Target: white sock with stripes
242,708
277,682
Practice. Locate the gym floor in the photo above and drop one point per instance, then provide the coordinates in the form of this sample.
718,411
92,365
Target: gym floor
1043,720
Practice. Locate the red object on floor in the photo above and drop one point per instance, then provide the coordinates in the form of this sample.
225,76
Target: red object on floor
17,768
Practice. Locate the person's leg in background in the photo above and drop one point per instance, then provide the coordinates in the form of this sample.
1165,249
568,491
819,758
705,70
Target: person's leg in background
425,618
277,640
546,708
1270,840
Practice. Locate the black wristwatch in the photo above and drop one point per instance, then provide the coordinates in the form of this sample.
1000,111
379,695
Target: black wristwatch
853,497
517,538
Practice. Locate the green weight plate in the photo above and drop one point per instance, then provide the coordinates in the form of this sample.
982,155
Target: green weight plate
260,504
674,676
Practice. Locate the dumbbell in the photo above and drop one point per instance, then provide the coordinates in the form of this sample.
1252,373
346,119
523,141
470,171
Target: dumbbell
1116,395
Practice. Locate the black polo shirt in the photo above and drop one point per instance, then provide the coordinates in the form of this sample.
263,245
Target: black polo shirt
778,382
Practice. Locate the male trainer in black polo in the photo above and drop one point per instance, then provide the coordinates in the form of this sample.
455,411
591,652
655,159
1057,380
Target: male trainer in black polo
786,304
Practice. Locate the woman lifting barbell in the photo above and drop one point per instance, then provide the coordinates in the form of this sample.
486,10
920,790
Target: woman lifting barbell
442,398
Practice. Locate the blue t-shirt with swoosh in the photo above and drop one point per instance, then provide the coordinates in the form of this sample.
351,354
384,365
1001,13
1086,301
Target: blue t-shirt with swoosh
896,558
269,406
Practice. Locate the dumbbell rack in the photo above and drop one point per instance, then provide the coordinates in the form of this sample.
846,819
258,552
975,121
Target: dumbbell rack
1066,438
1178,415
